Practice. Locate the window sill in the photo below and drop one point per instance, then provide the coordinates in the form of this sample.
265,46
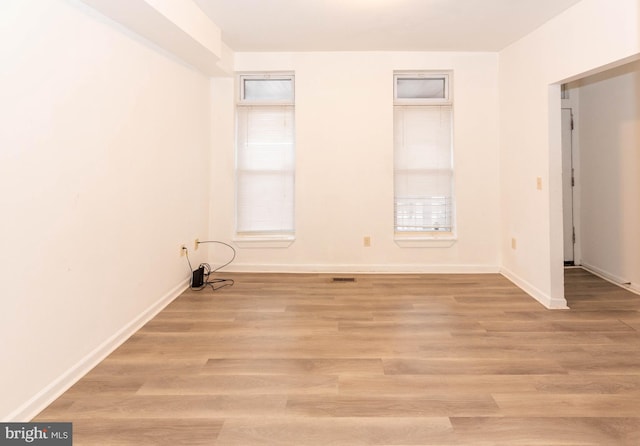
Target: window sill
445,240
264,241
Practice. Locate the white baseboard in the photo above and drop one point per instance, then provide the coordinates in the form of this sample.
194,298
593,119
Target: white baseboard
612,278
362,269
46,396
542,297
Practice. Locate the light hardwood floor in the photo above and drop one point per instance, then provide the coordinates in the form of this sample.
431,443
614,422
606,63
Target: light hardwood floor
387,360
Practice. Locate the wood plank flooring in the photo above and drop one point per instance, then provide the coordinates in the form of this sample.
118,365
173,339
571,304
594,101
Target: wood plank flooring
387,360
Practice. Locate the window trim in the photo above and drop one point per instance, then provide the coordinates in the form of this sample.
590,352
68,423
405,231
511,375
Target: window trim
261,239
426,240
264,240
429,239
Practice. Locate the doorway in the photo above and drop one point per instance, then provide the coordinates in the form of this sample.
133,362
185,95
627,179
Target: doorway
600,145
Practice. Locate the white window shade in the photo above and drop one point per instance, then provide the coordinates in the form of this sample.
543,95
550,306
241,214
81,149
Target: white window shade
265,169
423,168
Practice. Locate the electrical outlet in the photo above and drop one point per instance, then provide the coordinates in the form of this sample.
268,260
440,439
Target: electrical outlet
183,250
367,241
196,243
513,243
539,183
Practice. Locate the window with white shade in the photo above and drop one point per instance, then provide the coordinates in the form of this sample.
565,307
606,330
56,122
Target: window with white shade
265,152
423,154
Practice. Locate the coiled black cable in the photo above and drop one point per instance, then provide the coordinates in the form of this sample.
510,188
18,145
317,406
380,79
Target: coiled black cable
215,284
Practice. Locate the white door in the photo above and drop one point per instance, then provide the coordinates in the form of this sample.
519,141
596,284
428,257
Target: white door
567,185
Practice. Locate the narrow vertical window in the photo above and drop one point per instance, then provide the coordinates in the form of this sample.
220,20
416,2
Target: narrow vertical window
265,150
423,154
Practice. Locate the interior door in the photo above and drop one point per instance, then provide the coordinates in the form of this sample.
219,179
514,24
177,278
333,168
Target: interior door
567,185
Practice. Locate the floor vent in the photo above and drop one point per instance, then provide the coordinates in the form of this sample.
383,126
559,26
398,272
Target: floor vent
344,279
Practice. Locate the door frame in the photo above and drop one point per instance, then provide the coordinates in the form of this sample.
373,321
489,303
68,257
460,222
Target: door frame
572,101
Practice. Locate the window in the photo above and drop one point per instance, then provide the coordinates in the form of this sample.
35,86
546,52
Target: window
421,89
265,149
423,155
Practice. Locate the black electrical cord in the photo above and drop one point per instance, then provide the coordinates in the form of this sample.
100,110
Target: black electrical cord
208,271
233,257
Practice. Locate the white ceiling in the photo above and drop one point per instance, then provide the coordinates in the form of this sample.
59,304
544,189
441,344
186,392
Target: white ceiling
370,25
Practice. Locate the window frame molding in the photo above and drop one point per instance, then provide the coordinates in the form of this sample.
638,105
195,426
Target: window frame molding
428,239
257,239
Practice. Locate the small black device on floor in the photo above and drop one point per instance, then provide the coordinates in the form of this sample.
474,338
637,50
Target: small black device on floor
197,280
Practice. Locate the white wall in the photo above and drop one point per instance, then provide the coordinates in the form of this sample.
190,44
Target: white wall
104,155
610,173
587,37
344,153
